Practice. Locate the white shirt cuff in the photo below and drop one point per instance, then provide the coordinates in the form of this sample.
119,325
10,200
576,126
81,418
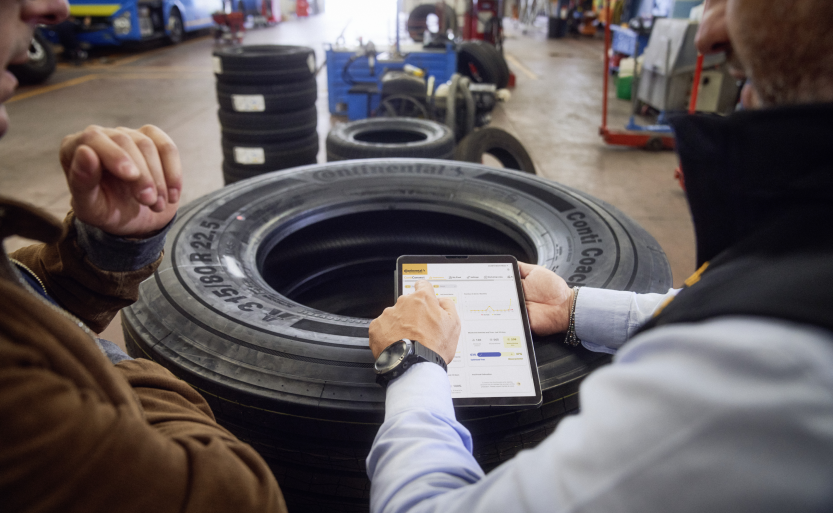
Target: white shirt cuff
602,318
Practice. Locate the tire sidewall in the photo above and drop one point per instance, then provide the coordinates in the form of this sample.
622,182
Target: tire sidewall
480,142
342,142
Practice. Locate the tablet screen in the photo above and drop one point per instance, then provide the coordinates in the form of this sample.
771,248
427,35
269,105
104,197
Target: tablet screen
493,357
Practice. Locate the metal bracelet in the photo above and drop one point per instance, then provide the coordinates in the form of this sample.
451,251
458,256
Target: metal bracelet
571,338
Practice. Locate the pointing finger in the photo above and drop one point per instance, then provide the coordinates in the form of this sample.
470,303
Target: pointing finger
424,287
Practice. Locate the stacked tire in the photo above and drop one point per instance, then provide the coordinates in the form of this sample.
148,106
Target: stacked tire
267,113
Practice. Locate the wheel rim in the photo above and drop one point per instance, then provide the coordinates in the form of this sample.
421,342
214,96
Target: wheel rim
175,27
36,51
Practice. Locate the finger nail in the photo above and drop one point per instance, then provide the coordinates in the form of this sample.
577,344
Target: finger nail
173,195
148,196
129,170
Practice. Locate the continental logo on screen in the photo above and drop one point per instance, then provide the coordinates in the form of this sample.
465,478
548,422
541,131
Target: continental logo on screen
415,269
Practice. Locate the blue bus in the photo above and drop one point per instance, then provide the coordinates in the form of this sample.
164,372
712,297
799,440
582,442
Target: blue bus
133,21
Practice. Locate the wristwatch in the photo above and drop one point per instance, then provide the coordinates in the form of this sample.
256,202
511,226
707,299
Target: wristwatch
400,356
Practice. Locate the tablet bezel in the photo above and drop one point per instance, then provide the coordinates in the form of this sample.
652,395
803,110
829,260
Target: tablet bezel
500,402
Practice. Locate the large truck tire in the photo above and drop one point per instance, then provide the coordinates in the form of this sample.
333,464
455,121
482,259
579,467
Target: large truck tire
499,144
263,301
390,137
267,98
249,127
483,63
41,64
264,64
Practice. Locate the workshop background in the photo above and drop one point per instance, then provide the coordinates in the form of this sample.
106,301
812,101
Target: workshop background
272,275
555,108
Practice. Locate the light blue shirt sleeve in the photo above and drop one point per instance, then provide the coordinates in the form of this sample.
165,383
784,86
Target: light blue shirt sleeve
419,410
732,415
606,319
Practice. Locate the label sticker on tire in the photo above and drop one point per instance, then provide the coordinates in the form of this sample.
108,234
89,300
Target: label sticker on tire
248,102
218,65
249,155
311,63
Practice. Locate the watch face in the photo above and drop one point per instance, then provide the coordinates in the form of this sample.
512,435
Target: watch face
392,356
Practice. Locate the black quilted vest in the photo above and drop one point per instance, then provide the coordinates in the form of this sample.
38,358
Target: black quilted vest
760,189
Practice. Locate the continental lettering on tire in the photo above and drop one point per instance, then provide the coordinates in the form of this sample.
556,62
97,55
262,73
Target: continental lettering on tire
374,170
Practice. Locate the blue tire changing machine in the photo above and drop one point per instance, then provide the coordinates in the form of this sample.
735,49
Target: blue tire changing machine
356,91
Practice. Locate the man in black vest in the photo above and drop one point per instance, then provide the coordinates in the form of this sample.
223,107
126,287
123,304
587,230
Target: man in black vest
720,397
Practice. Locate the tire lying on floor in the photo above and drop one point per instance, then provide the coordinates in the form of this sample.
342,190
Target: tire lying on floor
499,144
390,137
264,298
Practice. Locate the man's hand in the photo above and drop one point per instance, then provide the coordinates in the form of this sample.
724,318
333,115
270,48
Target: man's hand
548,299
125,182
420,316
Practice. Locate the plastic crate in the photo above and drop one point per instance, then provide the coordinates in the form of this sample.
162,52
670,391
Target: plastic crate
627,42
624,87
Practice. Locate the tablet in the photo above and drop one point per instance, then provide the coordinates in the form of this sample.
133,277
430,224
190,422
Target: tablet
495,361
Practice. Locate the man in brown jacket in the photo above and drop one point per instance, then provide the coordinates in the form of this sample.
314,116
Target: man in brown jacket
78,433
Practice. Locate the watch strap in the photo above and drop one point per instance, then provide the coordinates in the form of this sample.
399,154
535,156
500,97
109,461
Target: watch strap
420,354
429,355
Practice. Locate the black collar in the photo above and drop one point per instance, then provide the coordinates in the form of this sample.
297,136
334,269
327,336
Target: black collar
744,171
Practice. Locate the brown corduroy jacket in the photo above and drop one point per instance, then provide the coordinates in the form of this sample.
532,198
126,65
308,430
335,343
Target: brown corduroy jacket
79,434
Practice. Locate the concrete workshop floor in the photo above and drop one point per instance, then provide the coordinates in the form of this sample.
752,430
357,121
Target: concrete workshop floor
555,111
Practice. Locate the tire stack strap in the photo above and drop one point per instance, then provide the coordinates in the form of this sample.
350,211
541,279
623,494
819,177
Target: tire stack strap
267,96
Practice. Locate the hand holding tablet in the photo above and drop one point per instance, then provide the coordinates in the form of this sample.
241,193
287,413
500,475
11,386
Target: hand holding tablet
494,363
